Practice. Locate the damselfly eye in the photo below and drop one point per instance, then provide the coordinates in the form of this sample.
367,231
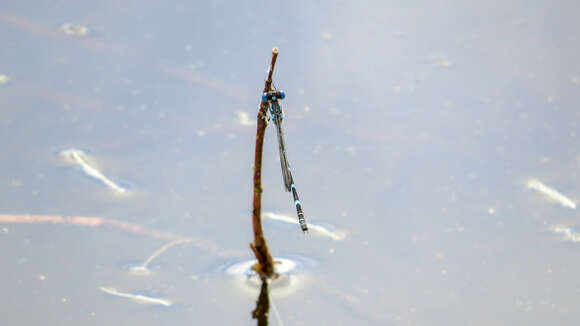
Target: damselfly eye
273,96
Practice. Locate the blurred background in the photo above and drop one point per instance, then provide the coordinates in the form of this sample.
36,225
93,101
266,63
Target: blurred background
413,127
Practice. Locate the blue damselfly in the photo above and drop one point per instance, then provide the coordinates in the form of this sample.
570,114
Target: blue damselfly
277,116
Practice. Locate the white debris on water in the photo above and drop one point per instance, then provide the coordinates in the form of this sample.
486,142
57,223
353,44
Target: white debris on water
140,270
315,228
551,193
139,298
78,157
326,36
439,61
4,79
76,30
567,233
244,119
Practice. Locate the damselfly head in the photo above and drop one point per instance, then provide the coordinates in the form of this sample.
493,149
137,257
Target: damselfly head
273,96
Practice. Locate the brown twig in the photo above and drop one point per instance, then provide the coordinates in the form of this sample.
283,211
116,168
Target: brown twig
259,246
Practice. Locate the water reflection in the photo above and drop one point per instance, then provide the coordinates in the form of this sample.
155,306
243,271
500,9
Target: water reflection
262,310
263,304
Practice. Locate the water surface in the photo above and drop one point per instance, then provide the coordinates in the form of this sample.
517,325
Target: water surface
415,128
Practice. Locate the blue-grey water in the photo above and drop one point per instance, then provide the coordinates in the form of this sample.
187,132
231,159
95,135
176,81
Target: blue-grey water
414,127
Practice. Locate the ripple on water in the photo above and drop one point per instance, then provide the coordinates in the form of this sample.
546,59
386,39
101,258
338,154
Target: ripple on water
290,270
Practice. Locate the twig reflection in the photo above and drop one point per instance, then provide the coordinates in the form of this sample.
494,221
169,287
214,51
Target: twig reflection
262,305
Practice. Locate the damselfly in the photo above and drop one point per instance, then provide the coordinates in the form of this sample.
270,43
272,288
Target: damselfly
277,116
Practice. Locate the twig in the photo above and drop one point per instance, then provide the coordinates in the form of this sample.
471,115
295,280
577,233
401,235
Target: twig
259,246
